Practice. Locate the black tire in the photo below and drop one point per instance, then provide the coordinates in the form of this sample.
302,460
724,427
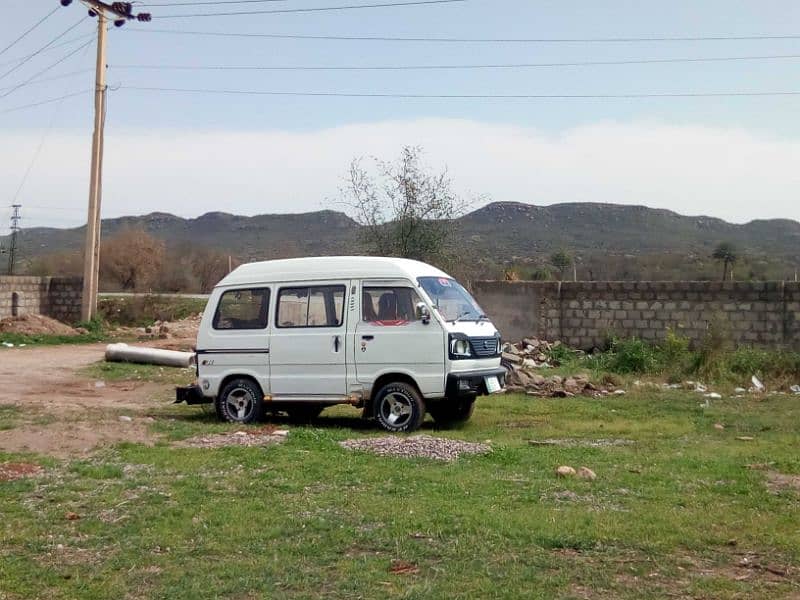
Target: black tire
452,412
304,413
241,401
399,407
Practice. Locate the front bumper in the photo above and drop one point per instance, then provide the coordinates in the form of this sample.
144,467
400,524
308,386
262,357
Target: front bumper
190,394
472,383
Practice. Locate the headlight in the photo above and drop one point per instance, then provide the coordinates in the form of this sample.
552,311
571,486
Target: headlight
460,347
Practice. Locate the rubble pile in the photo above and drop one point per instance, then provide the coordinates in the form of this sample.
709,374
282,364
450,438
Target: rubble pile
183,329
523,362
416,446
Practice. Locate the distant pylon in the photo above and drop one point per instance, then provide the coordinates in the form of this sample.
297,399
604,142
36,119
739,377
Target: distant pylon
15,229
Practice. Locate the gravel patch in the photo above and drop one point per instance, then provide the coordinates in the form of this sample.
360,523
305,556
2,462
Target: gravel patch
263,436
416,446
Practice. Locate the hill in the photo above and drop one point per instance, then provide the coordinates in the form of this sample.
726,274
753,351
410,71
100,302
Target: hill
500,233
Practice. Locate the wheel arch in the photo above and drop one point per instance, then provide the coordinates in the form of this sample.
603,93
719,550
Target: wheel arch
231,376
384,379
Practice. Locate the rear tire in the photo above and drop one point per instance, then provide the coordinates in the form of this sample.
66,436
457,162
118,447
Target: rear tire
399,407
452,412
241,401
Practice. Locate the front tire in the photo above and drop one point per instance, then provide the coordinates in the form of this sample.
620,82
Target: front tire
452,412
399,407
241,401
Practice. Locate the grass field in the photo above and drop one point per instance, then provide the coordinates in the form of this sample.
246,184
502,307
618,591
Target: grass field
679,508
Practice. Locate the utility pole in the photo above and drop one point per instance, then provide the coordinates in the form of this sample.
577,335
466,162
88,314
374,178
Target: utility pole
15,228
119,13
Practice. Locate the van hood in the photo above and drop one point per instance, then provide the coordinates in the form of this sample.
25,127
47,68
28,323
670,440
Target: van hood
482,328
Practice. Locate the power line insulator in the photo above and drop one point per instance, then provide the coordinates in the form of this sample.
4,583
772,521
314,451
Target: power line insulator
119,22
66,2
144,17
122,8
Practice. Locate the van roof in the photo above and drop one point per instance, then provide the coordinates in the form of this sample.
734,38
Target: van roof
329,267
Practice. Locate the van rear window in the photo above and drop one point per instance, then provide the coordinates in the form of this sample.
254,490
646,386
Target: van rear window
317,306
242,309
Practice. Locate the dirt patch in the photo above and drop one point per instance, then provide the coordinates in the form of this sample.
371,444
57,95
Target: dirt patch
9,471
416,446
779,482
31,324
263,436
63,414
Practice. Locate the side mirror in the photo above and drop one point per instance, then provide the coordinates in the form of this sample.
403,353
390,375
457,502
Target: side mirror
422,313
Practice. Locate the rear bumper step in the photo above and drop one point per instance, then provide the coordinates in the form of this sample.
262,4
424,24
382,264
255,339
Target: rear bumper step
191,394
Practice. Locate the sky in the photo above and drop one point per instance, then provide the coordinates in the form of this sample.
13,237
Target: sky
733,157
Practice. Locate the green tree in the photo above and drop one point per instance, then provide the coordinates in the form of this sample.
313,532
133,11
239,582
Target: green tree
728,254
561,261
404,209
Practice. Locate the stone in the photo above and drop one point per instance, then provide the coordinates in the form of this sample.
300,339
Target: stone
739,390
125,419
512,358
757,385
719,426
586,473
713,396
565,471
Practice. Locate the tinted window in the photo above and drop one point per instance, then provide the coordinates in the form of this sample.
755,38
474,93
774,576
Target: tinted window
318,306
388,304
242,309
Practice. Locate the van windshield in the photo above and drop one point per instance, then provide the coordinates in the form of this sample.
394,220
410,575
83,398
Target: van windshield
450,298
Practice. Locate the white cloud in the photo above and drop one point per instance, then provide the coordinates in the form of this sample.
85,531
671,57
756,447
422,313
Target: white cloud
727,173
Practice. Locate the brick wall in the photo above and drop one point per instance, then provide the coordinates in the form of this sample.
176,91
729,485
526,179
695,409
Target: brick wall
586,314
57,297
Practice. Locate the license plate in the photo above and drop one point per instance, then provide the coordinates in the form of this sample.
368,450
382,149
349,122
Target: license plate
492,384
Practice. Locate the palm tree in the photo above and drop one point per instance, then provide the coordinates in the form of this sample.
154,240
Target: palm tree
727,253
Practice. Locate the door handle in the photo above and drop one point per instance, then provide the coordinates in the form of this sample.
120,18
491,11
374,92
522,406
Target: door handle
336,343
368,337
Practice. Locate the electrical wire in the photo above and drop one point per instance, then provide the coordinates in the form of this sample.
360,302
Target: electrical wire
53,78
456,67
469,96
27,31
53,47
309,10
42,140
448,40
43,48
45,70
212,2
43,102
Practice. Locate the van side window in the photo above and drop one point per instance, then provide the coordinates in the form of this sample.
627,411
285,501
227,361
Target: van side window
388,305
242,309
317,306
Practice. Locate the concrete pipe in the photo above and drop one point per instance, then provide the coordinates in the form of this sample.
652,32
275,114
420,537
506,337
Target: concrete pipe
148,356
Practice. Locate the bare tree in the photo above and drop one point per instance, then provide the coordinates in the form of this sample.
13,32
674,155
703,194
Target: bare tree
405,210
132,259
209,266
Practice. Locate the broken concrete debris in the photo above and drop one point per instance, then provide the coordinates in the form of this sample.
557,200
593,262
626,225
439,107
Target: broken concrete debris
523,359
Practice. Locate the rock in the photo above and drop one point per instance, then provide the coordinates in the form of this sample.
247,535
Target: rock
148,329
537,379
619,392
82,330
512,358
555,380
541,357
125,419
586,473
795,389
745,438
72,516
529,364
739,390
280,432
565,471
757,385
719,426
700,388
712,395
510,349
99,384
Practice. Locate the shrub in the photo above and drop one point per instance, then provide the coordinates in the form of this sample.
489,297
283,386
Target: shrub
632,355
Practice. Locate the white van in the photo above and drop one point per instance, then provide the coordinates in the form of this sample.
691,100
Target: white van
391,336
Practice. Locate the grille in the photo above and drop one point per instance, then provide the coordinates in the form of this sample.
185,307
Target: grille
483,346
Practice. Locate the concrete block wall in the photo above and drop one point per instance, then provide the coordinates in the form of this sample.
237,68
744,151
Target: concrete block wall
587,314
56,297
